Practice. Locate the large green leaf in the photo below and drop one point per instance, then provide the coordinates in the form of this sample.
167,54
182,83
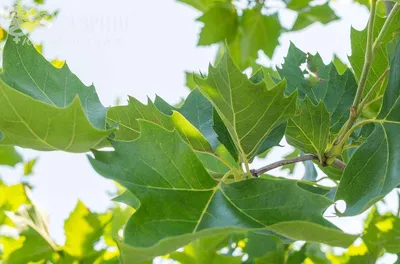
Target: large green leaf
259,32
9,156
321,13
373,169
82,230
46,108
180,202
220,24
250,111
309,129
358,45
320,83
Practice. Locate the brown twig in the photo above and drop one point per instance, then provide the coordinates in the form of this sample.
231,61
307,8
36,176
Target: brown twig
258,172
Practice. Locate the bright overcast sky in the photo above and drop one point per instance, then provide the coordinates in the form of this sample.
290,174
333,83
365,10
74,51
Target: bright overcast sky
142,48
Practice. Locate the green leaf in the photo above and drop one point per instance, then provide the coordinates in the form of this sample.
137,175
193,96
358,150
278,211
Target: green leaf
296,4
259,32
272,140
264,248
295,257
128,198
381,232
190,81
220,24
201,5
341,67
320,83
46,108
28,167
82,230
224,137
315,254
249,111
180,202
128,119
372,170
321,13
11,198
198,111
308,130
9,156
381,61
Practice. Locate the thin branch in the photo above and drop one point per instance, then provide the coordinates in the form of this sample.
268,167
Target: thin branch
369,56
340,164
284,162
372,90
281,163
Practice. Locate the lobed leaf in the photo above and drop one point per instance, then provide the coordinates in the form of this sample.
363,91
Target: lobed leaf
320,13
321,83
250,111
220,24
46,108
308,130
180,202
260,32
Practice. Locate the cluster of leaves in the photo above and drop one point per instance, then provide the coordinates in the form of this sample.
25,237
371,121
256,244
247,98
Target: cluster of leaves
187,170
255,27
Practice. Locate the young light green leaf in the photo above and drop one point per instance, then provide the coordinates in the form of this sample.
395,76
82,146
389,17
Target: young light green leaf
46,108
82,230
11,198
249,111
220,24
9,156
321,13
260,32
180,202
373,169
308,130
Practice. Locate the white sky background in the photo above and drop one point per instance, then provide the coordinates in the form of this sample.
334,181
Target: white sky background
142,48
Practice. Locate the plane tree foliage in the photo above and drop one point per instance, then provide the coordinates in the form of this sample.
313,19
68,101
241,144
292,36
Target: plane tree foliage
185,173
